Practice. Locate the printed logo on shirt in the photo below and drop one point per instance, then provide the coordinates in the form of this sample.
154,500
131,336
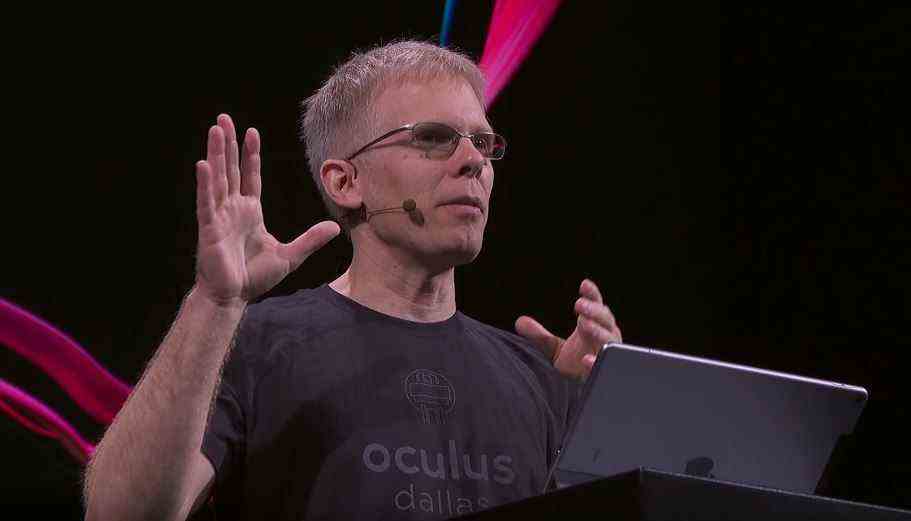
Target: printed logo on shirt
431,394
442,465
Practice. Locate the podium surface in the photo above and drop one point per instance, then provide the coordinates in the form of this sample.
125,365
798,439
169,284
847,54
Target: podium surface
652,495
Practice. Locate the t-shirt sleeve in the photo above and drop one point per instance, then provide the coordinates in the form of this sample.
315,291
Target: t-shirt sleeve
565,399
574,391
224,441
561,393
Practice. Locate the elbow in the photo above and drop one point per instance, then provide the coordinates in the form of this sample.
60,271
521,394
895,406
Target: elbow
107,506
99,511
107,495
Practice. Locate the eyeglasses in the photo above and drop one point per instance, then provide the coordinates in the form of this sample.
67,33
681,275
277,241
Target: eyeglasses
439,141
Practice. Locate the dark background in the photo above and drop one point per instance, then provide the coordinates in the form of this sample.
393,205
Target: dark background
779,242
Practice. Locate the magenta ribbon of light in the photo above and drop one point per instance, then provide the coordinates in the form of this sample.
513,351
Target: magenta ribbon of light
94,389
515,26
42,420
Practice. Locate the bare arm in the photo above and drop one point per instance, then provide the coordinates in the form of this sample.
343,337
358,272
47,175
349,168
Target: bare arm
149,465
142,467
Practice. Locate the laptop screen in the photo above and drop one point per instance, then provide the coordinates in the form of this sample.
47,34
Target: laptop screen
648,408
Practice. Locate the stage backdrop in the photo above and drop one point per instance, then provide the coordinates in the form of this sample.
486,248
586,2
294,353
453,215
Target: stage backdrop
764,226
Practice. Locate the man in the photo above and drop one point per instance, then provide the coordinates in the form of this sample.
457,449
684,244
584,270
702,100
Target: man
370,396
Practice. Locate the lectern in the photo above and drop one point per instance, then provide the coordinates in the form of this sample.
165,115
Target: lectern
651,495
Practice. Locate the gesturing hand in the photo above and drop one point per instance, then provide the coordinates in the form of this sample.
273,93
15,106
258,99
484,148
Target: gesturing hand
595,327
237,259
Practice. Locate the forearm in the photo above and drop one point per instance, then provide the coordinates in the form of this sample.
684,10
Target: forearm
139,467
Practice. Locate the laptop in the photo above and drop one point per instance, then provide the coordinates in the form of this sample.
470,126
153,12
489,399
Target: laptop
647,408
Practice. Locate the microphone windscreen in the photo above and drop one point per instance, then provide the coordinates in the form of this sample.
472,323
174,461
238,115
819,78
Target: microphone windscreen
409,205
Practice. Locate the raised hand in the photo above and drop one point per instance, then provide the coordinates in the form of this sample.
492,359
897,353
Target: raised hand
595,326
237,258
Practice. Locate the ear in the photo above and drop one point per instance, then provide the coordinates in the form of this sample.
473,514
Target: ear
341,184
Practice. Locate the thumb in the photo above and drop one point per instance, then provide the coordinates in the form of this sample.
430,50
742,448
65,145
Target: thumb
308,242
538,335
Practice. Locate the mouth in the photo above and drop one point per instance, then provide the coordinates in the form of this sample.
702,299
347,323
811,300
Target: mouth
465,201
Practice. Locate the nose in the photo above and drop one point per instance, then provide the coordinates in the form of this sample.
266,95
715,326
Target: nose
472,160
471,169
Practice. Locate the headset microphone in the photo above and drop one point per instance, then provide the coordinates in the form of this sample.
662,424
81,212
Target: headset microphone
409,206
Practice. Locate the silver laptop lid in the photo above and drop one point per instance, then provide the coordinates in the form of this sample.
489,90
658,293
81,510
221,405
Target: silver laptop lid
643,407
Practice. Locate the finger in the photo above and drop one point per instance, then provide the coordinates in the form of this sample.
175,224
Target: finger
232,168
215,157
595,334
596,311
205,203
250,181
538,335
308,242
589,289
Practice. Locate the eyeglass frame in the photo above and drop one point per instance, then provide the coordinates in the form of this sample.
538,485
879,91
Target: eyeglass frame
411,126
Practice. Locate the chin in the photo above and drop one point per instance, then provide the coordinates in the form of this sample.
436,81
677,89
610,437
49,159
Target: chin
458,253
466,256
466,250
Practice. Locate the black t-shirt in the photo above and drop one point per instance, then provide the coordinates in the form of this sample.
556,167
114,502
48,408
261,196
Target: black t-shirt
330,410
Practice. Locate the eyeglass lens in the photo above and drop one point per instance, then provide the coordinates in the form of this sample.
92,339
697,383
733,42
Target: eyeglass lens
445,139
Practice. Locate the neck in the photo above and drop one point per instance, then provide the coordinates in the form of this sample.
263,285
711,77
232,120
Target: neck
389,282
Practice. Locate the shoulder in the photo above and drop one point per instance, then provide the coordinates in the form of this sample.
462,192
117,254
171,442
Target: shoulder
529,361
286,309
513,345
276,321
306,308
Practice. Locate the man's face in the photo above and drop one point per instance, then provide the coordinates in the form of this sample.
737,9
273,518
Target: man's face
395,171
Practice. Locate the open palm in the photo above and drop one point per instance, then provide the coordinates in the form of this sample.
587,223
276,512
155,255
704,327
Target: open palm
237,258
